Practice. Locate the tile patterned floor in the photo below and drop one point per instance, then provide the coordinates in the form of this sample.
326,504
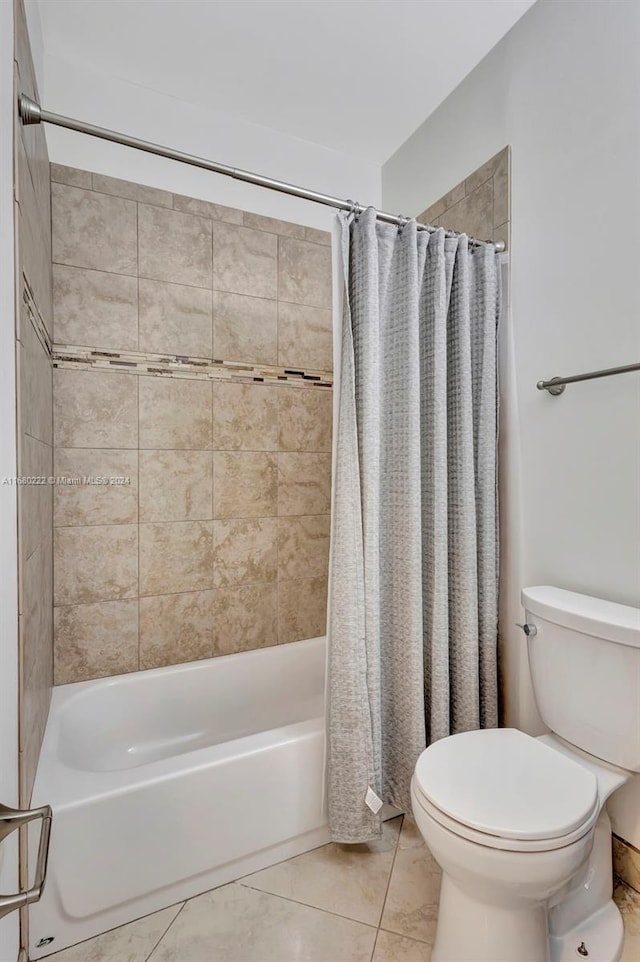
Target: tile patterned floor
339,903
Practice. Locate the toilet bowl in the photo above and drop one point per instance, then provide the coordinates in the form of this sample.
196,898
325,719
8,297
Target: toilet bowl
517,823
484,804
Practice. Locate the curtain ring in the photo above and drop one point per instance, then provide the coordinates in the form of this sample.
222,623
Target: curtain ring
403,222
354,208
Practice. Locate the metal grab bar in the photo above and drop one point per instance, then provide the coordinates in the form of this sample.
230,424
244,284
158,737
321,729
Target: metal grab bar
557,384
12,819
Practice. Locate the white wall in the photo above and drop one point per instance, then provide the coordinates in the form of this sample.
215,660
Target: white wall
563,88
75,91
8,502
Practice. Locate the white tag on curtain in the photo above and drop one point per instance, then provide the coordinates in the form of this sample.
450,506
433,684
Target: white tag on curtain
372,801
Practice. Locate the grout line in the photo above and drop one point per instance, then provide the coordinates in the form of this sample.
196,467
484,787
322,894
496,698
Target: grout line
286,898
138,515
375,944
138,277
178,913
393,865
279,633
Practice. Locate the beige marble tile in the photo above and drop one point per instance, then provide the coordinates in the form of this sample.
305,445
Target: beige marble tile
428,216
174,319
175,556
175,413
304,483
176,485
474,214
95,503
501,188
36,636
438,208
273,225
245,484
244,261
34,384
318,236
205,208
93,230
244,618
35,698
95,640
482,174
626,862
411,908
176,628
129,943
628,901
245,328
35,632
72,176
33,218
347,880
92,409
125,188
303,547
302,609
33,262
35,501
95,309
174,247
305,337
304,272
305,419
245,417
96,563
396,948
238,924
245,551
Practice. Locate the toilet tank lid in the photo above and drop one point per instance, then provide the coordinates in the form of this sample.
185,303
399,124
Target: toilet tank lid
592,616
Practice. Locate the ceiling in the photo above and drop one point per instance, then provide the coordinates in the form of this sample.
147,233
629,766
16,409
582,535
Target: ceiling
357,76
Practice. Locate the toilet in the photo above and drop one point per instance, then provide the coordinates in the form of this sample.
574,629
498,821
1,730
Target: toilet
518,824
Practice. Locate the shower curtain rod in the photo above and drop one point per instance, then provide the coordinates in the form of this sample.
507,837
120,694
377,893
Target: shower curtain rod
32,113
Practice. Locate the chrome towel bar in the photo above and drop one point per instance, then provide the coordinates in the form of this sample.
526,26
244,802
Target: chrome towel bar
557,384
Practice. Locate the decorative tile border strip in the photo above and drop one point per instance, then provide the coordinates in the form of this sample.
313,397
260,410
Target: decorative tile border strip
31,307
169,365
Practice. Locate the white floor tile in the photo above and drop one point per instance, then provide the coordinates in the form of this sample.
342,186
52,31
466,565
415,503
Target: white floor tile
129,943
411,908
239,924
349,880
397,948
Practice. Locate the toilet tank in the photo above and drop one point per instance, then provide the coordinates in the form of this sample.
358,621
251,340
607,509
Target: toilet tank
584,658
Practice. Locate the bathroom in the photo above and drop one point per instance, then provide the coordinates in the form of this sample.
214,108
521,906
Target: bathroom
181,633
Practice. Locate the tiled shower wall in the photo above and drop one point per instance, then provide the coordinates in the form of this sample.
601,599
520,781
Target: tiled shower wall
34,403
193,352
480,204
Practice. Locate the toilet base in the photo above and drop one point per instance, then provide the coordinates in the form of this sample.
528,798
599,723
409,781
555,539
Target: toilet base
473,931
602,935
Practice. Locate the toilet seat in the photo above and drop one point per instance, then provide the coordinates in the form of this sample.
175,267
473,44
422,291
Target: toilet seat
506,790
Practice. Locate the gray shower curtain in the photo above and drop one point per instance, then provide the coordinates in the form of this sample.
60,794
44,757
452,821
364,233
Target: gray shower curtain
414,557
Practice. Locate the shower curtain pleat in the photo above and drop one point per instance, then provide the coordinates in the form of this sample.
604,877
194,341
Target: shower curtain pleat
412,634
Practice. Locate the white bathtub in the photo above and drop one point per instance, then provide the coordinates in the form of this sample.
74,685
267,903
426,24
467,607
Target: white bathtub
166,783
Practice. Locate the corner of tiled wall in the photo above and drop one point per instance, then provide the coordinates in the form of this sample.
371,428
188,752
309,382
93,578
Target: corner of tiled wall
35,428
480,204
193,357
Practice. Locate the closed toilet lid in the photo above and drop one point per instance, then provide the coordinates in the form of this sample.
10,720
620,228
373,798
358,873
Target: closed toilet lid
507,784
